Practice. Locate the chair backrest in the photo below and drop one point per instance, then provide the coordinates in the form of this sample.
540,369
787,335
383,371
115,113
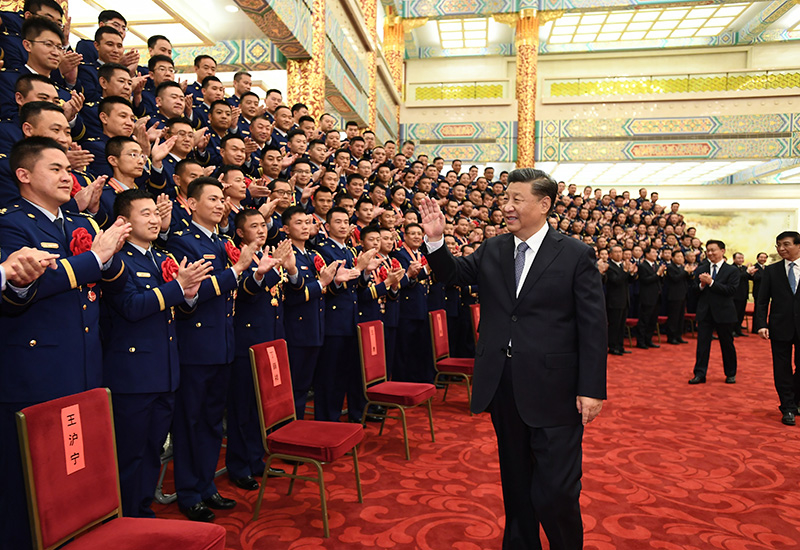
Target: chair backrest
475,315
372,350
441,345
273,383
70,461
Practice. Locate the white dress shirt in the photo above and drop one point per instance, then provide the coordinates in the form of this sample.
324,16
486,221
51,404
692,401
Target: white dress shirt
534,243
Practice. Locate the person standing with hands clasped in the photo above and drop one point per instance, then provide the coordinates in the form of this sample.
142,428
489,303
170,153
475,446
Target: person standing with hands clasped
778,295
540,363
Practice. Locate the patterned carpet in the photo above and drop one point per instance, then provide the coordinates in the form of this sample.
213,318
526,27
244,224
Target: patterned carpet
667,466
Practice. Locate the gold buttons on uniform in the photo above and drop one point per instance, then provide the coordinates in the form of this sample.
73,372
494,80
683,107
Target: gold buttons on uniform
299,318
170,338
84,306
334,307
247,325
86,329
132,350
198,325
32,343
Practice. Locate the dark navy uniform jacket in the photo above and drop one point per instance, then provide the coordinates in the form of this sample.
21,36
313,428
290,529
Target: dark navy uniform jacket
259,309
304,304
52,348
414,296
140,352
341,303
205,334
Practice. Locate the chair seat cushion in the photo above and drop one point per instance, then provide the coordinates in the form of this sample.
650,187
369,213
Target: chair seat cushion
631,322
690,316
403,393
153,534
323,441
661,319
456,364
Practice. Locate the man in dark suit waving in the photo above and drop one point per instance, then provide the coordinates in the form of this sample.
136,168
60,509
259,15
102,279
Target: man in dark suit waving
717,282
779,286
540,363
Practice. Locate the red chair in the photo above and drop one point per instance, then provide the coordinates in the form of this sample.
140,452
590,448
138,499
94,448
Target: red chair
293,440
660,320
630,323
692,318
475,315
749,315
446,366
399,395
67,448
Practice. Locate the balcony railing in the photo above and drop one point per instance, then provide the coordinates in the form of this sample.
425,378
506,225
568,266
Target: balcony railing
673,84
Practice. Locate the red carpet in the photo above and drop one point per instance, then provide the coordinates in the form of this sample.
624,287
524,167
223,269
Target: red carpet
667,466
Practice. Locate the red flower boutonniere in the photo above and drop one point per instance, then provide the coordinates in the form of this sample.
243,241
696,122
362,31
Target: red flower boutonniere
319,263
424,261
233,252
169,270
76,187
396,264
383,274
81,241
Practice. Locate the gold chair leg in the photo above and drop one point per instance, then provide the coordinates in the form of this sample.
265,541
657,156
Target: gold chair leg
430,418
405,431
291,482
263,485
358,474
469,395
321,482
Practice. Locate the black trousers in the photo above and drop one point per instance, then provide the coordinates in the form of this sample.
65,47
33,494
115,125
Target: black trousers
787,383
616,328
705,329
646,327
676,310
741,307
540,470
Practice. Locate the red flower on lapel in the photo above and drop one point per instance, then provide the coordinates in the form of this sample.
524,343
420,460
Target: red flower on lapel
81,241
319,263
383,274
169,270
396,264
233,252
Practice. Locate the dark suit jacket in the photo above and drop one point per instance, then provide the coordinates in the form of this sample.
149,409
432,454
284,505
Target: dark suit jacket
743,289
617,280
679,280
557,325
784,312
716,301
649,284
756,277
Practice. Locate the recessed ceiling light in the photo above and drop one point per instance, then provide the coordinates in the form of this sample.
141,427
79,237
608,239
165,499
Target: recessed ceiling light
231,8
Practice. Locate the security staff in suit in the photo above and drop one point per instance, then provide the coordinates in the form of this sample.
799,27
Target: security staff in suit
259,318
206,348
742,292
756,272
650,274
304,304
140,352
540,364
617,278
717,283
680,277
57,362
778,295
338,369
413,360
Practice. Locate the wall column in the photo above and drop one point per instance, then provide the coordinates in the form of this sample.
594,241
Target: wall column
370,10
305,78
527,44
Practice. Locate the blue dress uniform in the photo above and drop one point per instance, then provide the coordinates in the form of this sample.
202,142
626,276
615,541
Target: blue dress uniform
39,362
206,348
201,112
338,371
140,366
150,179
8,80
258,318
391,319
413,357
195,89
305,326
96,145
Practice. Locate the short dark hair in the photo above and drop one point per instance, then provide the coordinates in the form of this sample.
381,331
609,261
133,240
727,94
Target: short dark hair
239,74
297,106
274,91
107,15
217,102
106,70
225,168
353,177
411,225
356,139
306,118
25,152
200,58
294,133
159,58
98,34
291,212
228,137
241,217
122,202
33,27
350,123
181,166
195,189
25,82
153,40
279,107
542,184
33,6
207,80
336,210
255,95
177,120
794,235
107,104
32,109
719,243
370,229
168,84
115,145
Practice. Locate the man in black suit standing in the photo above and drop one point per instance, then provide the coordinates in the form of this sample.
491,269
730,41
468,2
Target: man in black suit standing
756,272
742,292
779,286
716,282
650,274
617,277
679,276
540,363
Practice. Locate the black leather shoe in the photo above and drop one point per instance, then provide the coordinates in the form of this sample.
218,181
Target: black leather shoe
674,342
615,352
788,418
682,341
642,346
198,512
271,473
218,502
730,379
698,380
626,351
652,345
246,483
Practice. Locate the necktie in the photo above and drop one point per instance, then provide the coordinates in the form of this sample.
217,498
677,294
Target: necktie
519,261
149,254
714,272
792,278
59,223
